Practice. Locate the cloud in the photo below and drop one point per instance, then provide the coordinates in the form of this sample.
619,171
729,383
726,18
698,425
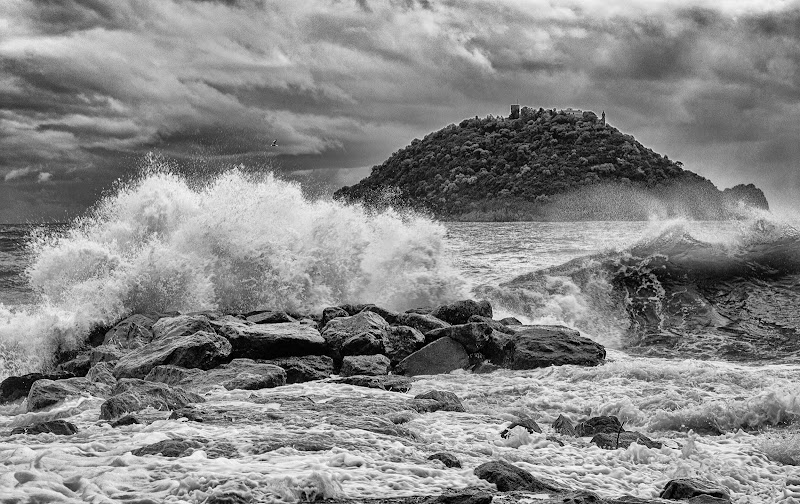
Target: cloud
89,86
18,174
44,177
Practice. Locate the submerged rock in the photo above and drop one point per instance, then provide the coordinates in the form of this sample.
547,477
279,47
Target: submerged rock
201,349
529,424
686,488
509,478
460,311
369,365
563,425
441,356
391,383
169,448
464,496
598,424
436,400
16,387
448,459
57,427
131,395
612,441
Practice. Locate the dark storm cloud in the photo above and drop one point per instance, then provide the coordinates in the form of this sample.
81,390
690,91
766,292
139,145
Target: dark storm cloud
87,87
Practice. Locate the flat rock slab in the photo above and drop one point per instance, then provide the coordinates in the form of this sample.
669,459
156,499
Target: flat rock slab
611,441
391,383
304,368
269,341
131,395
441,356
201,349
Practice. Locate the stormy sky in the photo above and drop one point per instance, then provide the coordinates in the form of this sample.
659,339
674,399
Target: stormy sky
89,87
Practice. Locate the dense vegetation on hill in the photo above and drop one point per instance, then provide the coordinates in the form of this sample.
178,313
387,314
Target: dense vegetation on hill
526,167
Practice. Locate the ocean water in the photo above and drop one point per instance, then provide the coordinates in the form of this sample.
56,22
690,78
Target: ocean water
699,320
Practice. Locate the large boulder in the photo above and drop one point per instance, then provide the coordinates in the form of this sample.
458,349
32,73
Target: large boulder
686,488
181,325
106,353
131,333
359,334
244,374
305,368
402,341
563,425
473,336
460,311
132,395
46,393
268,341
201,349
542,346
436,400
269,317
441,356
368,365
422,322
508,478
599,424
16,387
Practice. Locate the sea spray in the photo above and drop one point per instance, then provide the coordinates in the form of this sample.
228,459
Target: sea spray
235,243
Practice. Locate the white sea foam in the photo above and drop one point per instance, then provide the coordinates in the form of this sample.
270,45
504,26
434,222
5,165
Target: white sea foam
235,243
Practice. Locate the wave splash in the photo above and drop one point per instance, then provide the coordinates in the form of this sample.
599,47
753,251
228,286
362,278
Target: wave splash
235,243
687,289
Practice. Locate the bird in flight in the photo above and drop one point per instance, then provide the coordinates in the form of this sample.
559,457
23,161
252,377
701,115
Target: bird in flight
275,143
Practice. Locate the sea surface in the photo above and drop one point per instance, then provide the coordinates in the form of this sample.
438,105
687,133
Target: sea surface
699,319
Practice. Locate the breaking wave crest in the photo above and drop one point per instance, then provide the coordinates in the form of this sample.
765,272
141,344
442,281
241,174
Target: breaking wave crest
235,243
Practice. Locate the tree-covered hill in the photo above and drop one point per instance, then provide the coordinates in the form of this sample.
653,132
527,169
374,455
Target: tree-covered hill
543,164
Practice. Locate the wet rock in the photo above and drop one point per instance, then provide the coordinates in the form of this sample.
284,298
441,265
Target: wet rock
460,311
131,395
189,413
269,317
369,365
359,334
16,387
131,333
686,488
201,349
484,367
269,341
181,325
509,478
392,383
612,441
494,324
169,448
436,400
563,425
331,313
465,496
598,424
421,322
57,427
448,459
529,424
543,346
77,366
510,321
125,420
102,373
106,353
305,368
472,336
172,375
268,378
389,316
46,393
441,356
402,341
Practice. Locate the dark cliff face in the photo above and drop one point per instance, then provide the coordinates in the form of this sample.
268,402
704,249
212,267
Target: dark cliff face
527,166
746,194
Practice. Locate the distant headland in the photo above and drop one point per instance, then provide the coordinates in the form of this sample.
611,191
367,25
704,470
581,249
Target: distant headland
544,164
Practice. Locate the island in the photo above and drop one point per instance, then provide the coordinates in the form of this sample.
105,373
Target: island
548,165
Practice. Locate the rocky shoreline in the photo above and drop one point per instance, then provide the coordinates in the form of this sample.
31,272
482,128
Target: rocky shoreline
149,368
